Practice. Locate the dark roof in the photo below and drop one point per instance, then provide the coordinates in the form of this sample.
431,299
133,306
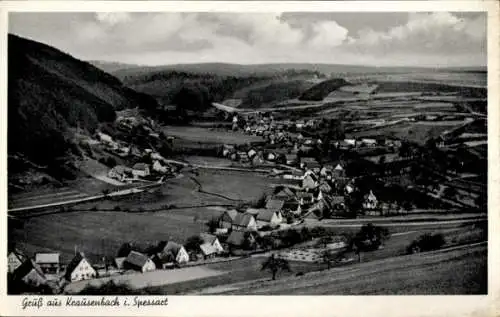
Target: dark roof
19,255
313,176
285,193
27,267
208,238
242,219
73,264
136,259
275,204
232,213
140,166
172,247
266,215
337,199
236,238
304,195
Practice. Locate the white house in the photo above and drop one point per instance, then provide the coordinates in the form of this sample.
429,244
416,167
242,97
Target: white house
177,251
157,167
15,259
120,172
140,169
105,138
371,201
138,262
310,181
244,222
269,218
213,241
79,269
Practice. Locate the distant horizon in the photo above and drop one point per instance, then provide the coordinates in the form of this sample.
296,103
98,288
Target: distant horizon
371,39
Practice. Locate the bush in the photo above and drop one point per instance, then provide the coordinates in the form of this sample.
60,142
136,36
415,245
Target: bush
117,208
426,242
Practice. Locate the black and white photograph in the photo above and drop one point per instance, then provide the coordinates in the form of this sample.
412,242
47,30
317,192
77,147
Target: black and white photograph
247,153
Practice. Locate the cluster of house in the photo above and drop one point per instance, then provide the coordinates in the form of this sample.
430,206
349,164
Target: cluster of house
140,170
47,267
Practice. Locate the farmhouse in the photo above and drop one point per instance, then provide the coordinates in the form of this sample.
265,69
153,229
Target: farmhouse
284,194
310,181
251,153
257,160
212,240
30,273
244,221
48,262
79,269
15,259
237,239
227,218
140,169
370,201
138,262
157,167
174,251
120,172
275,204
269,218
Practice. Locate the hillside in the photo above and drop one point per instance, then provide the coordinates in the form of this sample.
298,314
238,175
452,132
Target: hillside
48,93
225,69
323,89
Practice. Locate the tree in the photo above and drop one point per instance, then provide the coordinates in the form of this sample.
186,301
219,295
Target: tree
110,288
212,225
326,257
124,250
274,265
369,238
193,243
450,192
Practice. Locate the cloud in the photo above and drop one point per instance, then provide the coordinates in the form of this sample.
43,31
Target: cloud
179,37
426,33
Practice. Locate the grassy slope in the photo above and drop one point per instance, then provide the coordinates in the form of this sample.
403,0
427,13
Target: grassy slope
452,272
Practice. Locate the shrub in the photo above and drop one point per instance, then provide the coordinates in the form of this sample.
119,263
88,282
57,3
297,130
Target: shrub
426,242
117,208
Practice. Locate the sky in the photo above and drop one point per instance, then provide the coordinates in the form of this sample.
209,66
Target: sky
431,39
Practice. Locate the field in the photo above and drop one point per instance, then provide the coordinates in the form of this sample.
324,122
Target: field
202,135
237,271
458,271
96,229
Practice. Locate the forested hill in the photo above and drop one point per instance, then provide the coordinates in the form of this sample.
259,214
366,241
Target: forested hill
50,91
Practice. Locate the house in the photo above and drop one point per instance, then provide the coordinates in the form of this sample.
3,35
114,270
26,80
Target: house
275,204
120,173
310,181
173,252
105,138
237,239
349,188
350,142
138,262
284,194
243,157
325,171
79,269
244,221
271,156
213,241
227,218
227,150
305,198
157,167
15,259
48,262
269,218
257,160
308,141
325,187
140,169
119,262
369,142
251,153
338,171
30,273
310,163
337,202
291,158
370,201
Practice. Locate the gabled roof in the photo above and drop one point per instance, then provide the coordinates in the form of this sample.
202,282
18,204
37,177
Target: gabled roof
312,176
136,259
254,211
232,213
266,215
275,204
172,247
27,267
208,238
73,264
339,167
285,193
140,166
207,249
242,219
42,258
19,255
236,238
